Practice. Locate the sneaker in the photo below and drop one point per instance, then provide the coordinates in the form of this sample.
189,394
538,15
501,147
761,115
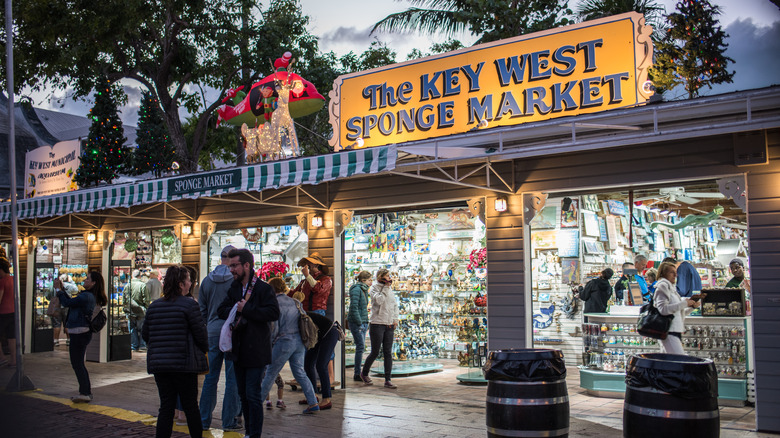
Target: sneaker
235,428
268,404
3,363
181,422
81,398
57,343
357,378
311,409
389,385
366,380
280,404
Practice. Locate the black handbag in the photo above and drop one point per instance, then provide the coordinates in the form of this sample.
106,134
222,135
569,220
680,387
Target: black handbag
651,323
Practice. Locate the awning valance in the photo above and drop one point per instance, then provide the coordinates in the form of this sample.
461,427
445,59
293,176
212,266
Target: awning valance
255,177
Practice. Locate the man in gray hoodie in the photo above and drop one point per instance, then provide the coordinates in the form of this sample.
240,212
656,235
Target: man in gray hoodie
213,291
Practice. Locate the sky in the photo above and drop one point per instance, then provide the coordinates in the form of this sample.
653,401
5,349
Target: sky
753,27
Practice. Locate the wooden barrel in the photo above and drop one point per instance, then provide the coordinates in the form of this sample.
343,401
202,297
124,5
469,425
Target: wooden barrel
526,394
669,395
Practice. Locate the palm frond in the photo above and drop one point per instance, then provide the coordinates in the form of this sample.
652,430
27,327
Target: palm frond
426,21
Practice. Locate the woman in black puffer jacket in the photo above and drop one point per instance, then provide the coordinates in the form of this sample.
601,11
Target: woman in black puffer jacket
177,343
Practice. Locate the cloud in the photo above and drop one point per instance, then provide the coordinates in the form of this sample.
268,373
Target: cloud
343,39
753,49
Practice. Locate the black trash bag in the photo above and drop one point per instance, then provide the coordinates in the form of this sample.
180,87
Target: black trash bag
682,376
525,365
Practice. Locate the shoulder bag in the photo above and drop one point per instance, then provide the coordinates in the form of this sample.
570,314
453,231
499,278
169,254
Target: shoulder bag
307,327
651,323
54,305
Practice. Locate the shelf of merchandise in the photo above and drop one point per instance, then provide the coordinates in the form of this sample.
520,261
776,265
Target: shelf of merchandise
427,254
43,332
118,328
608,342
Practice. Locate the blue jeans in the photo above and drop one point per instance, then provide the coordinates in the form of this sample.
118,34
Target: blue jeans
359,335
231,403
136,324
248,381
77,350
318,357
292,349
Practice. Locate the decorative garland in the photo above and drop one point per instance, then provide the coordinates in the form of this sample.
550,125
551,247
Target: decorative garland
131,245
251,237
168,238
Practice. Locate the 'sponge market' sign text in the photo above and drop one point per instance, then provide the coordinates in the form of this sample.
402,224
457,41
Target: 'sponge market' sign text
584,68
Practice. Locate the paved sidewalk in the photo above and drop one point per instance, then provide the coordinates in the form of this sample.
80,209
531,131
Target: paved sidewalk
431,405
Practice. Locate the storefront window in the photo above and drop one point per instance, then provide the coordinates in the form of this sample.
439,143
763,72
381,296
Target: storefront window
438,265
286,244
575,238
134,255
64,258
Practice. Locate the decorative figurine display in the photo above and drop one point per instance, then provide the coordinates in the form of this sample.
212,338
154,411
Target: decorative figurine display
266,113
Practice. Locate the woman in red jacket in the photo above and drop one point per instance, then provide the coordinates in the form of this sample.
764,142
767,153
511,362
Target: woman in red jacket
316,284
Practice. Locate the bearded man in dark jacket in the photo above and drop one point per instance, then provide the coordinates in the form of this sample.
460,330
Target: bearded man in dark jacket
257,308
597,293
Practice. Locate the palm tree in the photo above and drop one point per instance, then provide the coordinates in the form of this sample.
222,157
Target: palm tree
440,16
654,13
490,20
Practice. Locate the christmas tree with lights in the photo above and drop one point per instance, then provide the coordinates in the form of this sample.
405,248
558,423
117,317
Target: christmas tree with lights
103,152
155,151
692,51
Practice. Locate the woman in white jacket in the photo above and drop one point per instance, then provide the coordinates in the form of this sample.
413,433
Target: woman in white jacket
384,320
668,302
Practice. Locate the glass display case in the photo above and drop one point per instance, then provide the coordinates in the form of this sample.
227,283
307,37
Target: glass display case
609,341
118,328
43,333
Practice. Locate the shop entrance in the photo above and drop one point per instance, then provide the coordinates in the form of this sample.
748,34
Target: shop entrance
576,236
55,258
438,265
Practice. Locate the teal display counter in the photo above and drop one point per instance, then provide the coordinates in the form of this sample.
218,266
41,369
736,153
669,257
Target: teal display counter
407,368
732,392
473,377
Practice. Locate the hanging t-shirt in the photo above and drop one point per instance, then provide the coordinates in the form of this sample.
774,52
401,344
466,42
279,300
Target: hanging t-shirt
7,305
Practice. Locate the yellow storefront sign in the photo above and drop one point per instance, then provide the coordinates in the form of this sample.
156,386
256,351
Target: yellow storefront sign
584,68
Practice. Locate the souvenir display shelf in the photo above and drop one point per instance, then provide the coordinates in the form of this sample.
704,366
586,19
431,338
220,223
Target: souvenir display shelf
441,294
118,328
610,340
43,332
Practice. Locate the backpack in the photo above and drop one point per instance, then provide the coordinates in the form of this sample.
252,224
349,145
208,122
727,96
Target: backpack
308,329
98,320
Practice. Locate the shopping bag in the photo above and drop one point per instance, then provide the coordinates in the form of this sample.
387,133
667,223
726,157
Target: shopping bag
226,334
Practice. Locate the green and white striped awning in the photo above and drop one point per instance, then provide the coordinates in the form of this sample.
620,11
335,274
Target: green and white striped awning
255,177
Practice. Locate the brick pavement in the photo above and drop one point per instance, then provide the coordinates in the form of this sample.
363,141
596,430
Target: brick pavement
25,416
431,405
